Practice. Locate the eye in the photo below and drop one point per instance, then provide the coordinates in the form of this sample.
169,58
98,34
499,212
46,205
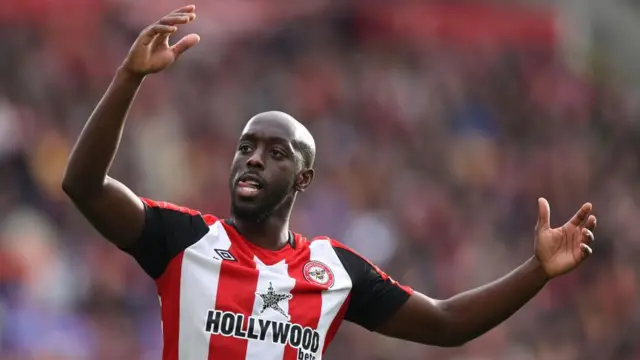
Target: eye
278,154
244,148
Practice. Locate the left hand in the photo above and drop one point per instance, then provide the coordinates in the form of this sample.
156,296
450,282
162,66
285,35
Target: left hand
562,249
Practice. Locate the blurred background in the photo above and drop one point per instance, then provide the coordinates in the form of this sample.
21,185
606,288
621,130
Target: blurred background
438,125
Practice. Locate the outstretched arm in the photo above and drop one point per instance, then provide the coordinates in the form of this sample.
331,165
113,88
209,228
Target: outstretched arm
114,210
464,317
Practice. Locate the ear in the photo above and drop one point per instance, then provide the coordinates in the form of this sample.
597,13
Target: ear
304,179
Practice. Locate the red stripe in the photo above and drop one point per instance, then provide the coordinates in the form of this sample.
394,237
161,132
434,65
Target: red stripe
305,307
169,206
169,290
208,219
236,288
335,324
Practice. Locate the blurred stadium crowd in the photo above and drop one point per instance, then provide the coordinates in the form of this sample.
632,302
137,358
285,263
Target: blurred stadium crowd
431,157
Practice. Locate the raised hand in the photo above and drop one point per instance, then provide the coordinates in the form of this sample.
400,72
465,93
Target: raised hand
561,249
151,52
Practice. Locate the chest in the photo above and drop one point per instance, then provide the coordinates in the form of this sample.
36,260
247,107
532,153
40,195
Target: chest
218,295
306,288
290,290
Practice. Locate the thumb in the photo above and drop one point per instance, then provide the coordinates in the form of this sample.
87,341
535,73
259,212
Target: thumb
185,44
544,214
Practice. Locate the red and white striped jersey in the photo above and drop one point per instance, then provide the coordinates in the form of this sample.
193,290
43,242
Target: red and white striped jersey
224,298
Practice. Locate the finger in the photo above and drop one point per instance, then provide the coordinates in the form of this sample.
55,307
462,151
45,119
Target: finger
152,31
544,214
588,236
185,44
172,20
177,19
184,9
581,215
586,250
161,39
591,223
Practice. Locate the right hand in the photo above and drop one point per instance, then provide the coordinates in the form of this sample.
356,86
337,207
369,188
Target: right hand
151,52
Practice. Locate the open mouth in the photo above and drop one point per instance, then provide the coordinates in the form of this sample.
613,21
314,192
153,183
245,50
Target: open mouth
249,185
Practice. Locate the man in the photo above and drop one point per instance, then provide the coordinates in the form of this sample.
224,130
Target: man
248,288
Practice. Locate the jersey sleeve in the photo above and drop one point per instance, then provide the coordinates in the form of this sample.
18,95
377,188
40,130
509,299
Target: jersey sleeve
375,296
168,230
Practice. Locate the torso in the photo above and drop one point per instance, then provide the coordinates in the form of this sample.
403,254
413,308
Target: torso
242,302
224,298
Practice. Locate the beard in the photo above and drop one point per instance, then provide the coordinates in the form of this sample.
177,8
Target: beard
255,214
261,209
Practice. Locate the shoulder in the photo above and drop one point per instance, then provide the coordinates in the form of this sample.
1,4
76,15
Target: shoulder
169,229
344,252
374,296
351,260
164,206
359,266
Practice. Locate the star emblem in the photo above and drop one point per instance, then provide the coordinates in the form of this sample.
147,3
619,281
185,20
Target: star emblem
270,300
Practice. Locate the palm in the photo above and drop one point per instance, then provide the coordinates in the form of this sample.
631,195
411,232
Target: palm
157,56
561,249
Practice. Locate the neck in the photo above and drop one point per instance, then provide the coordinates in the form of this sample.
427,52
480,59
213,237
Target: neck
271,233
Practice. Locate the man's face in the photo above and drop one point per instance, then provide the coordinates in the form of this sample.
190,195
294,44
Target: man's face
264,170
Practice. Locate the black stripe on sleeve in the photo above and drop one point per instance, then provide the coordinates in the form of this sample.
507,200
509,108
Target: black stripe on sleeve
374,296
166,233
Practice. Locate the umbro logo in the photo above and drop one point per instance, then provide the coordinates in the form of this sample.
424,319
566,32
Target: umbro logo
224,255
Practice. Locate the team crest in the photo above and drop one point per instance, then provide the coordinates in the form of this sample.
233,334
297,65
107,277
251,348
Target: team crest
318,273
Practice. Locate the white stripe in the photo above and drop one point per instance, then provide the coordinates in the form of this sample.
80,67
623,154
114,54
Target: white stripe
198,291
332,299
276,275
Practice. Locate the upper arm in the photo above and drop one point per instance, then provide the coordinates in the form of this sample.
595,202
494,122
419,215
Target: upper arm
115,212
152,232
374,297
381,304
420,319
168,230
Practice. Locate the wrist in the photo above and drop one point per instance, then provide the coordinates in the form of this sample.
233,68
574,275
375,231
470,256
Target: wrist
535,266
127,76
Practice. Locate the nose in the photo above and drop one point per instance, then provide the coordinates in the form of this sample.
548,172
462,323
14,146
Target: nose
255,160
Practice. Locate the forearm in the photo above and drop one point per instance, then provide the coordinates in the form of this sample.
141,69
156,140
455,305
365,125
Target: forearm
475,312
97,145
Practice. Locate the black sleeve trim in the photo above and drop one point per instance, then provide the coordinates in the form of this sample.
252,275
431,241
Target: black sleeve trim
166,233
374,298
